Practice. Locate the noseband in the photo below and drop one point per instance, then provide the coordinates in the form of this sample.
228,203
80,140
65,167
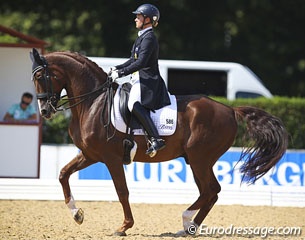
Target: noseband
53,98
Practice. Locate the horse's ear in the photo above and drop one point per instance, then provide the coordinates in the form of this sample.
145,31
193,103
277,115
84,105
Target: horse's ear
37,62
35,57
31,56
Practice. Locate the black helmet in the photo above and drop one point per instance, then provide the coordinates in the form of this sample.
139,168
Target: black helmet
150,11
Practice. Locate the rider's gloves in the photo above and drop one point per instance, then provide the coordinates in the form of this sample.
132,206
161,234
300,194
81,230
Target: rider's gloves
114,74
111,69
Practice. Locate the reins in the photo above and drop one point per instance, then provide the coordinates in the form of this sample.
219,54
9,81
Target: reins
106,87
53,99
65,99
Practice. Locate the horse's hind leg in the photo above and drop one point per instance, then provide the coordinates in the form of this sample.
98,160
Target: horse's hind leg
77,163
205,209
208,188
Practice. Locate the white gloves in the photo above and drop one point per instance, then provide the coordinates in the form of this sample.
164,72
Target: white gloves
113,74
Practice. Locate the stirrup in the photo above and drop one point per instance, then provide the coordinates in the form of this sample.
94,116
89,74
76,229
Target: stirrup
156,144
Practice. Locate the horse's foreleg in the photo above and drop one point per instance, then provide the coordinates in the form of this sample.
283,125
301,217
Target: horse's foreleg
118,176
78,163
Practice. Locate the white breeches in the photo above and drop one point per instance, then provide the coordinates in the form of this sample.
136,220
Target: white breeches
135,94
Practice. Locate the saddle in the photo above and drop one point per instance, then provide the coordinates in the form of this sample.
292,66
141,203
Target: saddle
165,118
122,119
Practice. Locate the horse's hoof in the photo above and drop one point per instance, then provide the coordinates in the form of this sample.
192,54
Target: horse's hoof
181,233
121,234
79,216
190,231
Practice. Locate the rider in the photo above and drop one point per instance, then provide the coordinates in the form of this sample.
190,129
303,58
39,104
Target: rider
148,90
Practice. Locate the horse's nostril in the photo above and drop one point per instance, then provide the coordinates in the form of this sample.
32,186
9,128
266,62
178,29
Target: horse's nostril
43,112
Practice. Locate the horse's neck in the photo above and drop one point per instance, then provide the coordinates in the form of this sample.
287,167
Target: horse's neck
82,77
77,87
83,95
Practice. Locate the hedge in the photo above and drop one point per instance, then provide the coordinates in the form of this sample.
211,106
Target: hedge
289,110
55,130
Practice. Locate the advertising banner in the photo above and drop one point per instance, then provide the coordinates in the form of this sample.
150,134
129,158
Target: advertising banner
289,171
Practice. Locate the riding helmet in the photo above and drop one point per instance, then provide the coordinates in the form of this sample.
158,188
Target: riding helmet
150,11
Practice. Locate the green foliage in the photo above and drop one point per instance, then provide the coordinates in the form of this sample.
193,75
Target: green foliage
269,42
289,110
55,130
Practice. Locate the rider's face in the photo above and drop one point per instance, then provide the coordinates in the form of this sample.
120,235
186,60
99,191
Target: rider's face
139,21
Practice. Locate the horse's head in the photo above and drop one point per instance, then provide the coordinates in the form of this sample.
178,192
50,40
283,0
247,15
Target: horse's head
83,80
47,89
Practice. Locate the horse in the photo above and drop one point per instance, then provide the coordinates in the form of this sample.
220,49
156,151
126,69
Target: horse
206,129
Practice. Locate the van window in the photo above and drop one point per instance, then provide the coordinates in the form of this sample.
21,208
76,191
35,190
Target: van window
190,81
247,95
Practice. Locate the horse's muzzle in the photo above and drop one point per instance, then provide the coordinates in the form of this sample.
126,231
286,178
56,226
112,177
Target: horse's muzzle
45,114
46,111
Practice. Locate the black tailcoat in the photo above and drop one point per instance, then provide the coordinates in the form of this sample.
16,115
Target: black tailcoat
144,58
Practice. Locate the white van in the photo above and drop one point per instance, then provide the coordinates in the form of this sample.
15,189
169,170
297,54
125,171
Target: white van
222,79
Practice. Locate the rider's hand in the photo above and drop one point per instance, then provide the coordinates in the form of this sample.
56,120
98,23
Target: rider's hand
111,69
114,75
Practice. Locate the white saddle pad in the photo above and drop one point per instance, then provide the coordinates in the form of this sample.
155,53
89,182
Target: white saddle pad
165,118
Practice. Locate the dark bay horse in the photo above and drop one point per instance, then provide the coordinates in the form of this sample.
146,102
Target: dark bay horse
205,130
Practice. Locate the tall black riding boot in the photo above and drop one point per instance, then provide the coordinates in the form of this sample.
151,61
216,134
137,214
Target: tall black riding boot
156,143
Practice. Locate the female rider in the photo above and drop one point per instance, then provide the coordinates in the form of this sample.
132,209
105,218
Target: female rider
148,90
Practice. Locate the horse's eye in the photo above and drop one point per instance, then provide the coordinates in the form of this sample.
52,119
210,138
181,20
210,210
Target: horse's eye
39,77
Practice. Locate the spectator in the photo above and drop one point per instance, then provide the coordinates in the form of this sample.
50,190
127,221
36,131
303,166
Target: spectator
23,111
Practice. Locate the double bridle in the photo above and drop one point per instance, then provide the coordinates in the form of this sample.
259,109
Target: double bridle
53,98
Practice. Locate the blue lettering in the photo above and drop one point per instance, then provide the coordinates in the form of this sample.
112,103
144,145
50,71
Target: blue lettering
289,174
222,172
169,171
289,171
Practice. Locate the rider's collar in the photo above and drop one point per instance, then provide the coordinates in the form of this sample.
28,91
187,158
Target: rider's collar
143,31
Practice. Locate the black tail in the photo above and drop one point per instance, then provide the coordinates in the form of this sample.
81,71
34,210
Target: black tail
268,138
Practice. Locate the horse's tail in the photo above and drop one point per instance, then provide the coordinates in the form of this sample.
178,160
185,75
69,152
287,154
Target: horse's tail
268,142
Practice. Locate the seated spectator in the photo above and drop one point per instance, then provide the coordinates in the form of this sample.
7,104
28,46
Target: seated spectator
23,111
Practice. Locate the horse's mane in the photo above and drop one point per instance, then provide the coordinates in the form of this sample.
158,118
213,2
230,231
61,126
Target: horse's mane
81,59
89,69
84,60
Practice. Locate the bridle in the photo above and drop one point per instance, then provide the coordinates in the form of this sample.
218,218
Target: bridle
53,98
